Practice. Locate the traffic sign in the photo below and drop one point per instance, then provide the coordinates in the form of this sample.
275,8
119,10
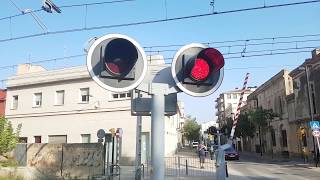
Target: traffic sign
315,125
119,132
316,133
101,133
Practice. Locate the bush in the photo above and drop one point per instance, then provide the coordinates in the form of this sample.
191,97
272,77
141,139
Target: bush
8,138
8,163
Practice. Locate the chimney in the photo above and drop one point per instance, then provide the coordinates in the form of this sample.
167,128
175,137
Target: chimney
28,68
316,53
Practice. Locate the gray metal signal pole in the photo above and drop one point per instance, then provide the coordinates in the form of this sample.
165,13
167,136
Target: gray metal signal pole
157,130
138,148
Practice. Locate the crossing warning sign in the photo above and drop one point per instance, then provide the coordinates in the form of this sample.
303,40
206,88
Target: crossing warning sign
316,133
315,125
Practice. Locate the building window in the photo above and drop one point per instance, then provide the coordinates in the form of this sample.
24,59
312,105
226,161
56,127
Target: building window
234,96
85,138
121,96
273,138
37,99
228,96
14,104
284,138
57,139
280,106
23,140
59,100
84,95
37,139
313,98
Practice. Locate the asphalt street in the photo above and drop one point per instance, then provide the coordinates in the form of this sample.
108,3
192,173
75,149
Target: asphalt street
251,167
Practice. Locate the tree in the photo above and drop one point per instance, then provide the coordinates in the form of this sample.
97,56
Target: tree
245,128
8,138
261,117
191,129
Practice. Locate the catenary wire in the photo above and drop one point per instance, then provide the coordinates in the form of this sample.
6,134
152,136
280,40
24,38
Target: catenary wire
67,6
241,55
156,20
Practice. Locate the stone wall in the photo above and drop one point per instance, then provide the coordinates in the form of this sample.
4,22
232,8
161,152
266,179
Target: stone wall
55,161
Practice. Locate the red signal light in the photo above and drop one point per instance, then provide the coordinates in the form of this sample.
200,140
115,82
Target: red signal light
214,57
200,70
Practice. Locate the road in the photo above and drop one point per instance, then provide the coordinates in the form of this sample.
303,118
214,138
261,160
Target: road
251,167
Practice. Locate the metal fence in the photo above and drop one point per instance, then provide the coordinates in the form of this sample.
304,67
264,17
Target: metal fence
188,166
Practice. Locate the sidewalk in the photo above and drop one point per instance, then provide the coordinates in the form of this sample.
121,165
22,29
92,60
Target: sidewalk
127,173
281,160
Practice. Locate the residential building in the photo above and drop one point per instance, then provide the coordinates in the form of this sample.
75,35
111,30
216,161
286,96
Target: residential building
271,95
300,109
3,93
67,106
227,103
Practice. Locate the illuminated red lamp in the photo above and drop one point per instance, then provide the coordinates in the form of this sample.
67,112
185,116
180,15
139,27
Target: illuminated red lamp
200,70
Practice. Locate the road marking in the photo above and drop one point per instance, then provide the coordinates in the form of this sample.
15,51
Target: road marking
232,172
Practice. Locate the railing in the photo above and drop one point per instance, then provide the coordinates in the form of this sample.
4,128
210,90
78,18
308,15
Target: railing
188,166
140,172
115,170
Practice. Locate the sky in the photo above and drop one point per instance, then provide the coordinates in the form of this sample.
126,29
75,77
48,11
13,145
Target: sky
265,23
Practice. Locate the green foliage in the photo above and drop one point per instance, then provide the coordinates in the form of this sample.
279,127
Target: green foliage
249,122
245,127
260,117
226,128
8,138
191,129
11,176
8,163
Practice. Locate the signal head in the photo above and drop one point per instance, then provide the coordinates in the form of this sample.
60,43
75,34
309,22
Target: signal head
198,69
116,62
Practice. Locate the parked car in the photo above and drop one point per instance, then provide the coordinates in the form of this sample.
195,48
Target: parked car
231,153
195,144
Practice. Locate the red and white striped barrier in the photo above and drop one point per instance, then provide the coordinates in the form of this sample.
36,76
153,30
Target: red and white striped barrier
235,120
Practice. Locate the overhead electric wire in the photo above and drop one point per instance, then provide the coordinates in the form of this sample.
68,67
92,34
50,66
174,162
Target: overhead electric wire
68,6
241,55
157,20
44,61
248,40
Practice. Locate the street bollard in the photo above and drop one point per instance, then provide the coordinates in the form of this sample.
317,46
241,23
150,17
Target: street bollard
227,174
186,166
178,165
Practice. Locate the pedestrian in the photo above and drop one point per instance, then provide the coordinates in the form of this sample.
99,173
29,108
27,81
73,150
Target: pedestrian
202,155
211,152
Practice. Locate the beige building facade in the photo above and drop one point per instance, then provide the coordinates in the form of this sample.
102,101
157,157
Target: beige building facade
299,107
67,106
227,103
272,96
